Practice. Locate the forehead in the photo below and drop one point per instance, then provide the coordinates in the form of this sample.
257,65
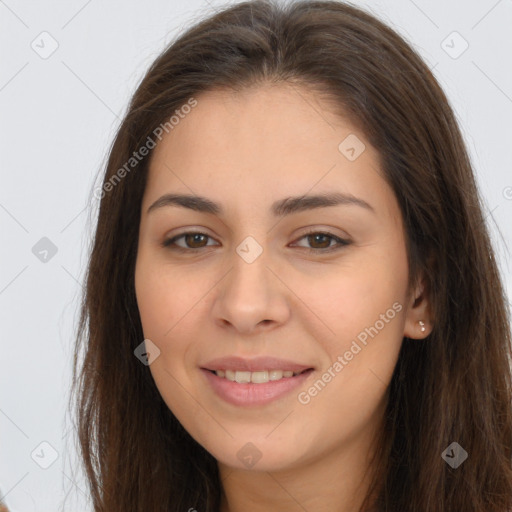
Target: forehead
264,142
271,118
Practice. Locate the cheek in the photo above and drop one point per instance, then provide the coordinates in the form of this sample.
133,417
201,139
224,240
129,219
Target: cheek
164,297
355,297
362,310
154,303
364,314
166,301
171,306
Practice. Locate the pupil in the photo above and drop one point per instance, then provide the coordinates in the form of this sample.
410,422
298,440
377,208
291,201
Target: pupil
196,237
320,236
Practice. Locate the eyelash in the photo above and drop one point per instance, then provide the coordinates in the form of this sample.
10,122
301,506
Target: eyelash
341,242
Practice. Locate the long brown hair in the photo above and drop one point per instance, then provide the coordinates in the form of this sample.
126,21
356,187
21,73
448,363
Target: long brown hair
455,386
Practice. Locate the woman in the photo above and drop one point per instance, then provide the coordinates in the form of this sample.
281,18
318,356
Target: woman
292,302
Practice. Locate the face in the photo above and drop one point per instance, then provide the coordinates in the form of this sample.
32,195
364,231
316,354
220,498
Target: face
256,287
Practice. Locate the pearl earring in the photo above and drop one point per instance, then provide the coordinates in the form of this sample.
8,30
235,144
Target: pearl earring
422,326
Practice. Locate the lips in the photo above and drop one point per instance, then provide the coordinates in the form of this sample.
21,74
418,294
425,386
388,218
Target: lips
233,379
257,364
252,394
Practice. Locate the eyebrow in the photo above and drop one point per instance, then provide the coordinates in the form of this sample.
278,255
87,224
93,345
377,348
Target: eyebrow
280,208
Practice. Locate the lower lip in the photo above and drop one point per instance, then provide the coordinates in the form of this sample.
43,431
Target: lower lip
254,394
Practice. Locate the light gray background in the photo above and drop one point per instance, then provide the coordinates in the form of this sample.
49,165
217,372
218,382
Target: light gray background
58,118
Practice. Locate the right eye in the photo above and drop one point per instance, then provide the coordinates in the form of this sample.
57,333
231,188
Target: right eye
193,240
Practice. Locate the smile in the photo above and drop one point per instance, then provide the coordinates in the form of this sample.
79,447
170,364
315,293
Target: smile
259,377
246,389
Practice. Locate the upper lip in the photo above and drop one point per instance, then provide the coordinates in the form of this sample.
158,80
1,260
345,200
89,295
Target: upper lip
254,365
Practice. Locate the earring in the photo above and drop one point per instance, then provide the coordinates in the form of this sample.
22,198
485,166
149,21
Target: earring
422,326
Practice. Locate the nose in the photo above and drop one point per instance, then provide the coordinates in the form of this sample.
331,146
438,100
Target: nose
251,297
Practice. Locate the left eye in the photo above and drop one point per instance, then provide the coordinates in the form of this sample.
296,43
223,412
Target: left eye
190,238
324,239
194,241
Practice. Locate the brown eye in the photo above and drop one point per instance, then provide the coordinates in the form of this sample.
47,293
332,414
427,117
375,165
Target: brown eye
195,240
322,239
322,242
192,241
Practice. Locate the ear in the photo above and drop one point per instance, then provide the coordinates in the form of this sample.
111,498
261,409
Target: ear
419,309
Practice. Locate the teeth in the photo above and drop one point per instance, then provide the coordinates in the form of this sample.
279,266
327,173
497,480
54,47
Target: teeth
275,375
243,377
260,377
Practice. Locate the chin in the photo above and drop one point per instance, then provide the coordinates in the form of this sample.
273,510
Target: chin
257,455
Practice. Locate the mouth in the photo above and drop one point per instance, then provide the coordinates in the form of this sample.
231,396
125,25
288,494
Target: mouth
257,377
259,388
258,381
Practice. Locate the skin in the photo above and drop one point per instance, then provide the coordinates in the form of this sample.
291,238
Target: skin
245,151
